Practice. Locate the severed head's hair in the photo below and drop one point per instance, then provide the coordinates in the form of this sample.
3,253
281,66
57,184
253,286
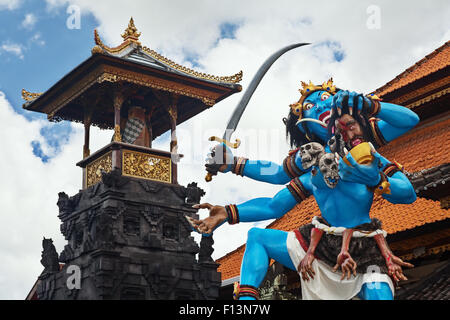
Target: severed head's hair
361,117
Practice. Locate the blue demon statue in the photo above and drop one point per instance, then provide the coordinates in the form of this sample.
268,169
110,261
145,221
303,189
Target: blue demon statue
334,134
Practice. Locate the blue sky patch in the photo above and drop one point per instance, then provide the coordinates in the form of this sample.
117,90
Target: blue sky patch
38,152
36,52
37,48
334,48
339,55
55,136
228,30
192,58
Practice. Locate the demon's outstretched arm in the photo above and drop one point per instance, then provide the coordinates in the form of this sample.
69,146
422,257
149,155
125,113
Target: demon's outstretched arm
265,171
271,172
258,209
221,159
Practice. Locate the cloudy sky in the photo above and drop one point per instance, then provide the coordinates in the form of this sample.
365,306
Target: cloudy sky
361,44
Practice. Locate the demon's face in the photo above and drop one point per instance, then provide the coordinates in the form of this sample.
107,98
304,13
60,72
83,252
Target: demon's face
317,106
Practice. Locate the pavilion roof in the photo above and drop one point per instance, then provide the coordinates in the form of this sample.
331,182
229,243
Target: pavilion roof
134,67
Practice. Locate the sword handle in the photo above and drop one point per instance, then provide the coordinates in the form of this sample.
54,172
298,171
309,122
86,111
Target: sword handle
208,177
233,145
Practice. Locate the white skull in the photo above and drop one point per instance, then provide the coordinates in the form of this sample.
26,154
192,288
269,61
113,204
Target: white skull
310,154
329,168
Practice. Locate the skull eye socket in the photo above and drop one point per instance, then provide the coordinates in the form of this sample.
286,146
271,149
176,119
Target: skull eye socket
328,162
308,147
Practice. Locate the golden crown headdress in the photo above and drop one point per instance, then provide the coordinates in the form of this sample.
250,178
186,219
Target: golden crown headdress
306,90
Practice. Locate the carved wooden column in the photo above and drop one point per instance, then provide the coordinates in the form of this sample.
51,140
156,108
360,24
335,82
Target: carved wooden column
118,100
173,114
87,125
148,118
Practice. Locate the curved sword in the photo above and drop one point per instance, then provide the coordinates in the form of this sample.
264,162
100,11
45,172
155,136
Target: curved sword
239,110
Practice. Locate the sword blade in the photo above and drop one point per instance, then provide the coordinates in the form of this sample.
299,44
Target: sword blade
239,110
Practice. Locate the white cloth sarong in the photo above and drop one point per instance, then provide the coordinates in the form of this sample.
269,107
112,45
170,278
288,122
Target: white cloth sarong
327,285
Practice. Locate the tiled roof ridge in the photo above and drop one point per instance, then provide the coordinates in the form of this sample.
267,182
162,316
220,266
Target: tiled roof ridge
414,67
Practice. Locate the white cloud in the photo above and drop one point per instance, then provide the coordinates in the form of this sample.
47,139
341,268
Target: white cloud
37,38
179,30
12,48
10,4
29,192
29,21
18,49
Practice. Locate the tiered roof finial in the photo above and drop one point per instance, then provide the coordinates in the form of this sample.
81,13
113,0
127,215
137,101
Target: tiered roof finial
131,40
131,32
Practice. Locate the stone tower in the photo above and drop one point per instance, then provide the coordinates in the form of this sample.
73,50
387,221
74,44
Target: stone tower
127,237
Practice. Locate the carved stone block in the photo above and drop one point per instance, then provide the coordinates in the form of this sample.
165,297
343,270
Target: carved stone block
130,240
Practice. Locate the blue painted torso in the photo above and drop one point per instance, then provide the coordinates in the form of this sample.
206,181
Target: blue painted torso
347,205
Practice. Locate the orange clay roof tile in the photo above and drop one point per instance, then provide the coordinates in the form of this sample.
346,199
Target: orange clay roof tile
422,148
437,60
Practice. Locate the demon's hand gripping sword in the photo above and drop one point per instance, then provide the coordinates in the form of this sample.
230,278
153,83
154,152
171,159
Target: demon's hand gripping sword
239,110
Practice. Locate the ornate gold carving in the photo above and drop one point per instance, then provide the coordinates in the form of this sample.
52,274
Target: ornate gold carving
119,98
131,32
229,79
112,74
131,35
146,166
96,49
93,170
172,109
107,77
117,136
429,98
99,43
29,96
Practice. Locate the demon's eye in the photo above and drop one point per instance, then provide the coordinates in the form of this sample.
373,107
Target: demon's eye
308,106
325,96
